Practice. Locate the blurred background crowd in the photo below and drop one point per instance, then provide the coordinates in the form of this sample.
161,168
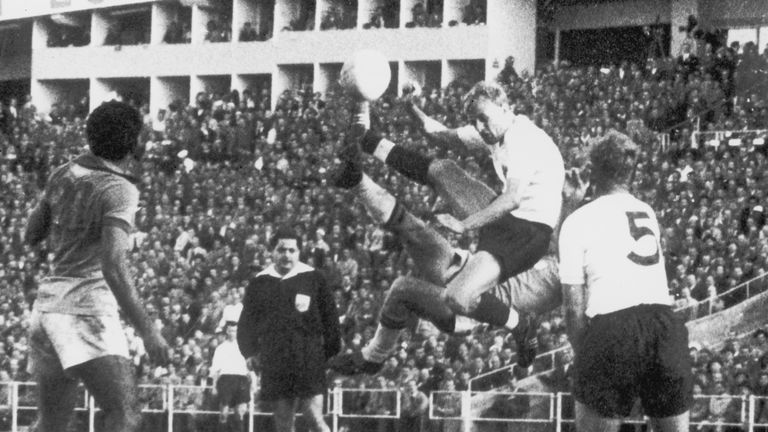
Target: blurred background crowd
222,172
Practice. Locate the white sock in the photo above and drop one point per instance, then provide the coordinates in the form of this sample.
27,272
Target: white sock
376,199
464,324
382,345
382,149
513,320
363,114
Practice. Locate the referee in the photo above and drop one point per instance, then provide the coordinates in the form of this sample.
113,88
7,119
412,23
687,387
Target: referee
289,327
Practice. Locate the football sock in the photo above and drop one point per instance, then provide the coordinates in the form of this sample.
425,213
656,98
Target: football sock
382,344
409,163
379,203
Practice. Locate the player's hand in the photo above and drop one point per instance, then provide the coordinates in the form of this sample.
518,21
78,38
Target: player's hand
450,222
575,187
156,347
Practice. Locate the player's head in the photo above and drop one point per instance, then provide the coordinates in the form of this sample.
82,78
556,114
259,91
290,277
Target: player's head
612,161
487,107
285,245
230,329
113,131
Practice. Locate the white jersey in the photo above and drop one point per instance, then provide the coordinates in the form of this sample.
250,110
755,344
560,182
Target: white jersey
612,245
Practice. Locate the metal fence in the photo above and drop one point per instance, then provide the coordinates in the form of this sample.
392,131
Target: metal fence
368,409
739,138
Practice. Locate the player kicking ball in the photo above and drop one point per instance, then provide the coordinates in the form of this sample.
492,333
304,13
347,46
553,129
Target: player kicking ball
627,342
530,290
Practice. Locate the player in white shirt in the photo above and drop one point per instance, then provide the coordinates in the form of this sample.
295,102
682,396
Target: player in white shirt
627,342
231,375
515,227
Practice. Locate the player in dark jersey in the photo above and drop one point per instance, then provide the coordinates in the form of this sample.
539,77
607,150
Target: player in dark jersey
627,342
87,213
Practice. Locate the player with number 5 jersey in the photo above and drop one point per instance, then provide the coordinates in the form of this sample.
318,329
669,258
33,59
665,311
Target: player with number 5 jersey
627,342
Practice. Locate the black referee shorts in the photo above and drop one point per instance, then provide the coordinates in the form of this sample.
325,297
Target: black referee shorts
516,243
641,351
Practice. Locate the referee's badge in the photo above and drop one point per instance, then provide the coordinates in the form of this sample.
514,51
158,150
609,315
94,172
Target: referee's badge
302,302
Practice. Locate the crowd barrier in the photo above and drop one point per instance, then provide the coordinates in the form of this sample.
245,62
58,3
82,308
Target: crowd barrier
358,409
738,138
725,300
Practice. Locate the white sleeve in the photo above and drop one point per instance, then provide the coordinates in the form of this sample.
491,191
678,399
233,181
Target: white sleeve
571,253
469,136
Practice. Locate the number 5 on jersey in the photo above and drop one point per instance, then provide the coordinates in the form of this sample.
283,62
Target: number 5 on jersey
638,232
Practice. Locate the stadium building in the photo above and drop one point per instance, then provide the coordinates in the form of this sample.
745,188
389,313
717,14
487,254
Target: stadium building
164,50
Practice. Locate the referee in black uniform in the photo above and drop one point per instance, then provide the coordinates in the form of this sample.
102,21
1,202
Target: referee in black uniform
289,327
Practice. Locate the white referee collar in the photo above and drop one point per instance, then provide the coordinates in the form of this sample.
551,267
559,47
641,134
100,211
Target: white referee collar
299,268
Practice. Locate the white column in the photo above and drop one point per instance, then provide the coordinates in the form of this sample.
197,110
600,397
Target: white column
365,9
42,96
199,23
101,91
162,16
453,10
40,33
99,27
447,73
681,9
406,13
511,31
558,41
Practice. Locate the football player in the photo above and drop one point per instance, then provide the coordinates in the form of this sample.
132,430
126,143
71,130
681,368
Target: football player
627,342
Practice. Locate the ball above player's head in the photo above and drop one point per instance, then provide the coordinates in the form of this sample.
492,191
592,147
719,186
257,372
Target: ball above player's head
366,74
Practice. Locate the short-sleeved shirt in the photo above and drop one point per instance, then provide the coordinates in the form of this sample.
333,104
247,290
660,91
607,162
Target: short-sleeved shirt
84,196
528,155
612,245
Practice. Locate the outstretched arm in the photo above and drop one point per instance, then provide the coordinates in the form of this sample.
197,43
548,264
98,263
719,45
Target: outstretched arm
466,136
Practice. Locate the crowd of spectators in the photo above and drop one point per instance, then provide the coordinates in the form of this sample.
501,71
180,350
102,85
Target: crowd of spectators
219,29
204,220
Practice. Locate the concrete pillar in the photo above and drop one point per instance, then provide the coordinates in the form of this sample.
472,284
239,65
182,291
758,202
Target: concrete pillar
200,20
558,41
162,16
453,10
680,10
99,27
406,11
40,33
511,32
101,91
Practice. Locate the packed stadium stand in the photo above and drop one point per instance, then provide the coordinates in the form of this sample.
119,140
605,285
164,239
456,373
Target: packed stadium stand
231,156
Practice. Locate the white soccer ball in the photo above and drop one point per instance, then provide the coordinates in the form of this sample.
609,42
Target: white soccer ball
366,74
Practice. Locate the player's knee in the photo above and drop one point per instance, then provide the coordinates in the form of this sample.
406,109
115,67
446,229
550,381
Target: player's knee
460,302
439,167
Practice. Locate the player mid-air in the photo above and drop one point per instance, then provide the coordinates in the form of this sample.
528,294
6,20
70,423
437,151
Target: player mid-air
613,276
449,283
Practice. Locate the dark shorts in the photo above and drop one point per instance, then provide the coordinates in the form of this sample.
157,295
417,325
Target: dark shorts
516,243
233,390
638,352
296,371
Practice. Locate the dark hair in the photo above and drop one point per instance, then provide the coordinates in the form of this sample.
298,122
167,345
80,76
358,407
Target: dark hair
612,159
284,232
113,130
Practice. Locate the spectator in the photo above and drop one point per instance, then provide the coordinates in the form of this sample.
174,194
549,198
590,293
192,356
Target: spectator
248,33
414,406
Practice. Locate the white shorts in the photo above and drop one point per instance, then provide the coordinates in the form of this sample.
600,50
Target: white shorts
536,290
60,341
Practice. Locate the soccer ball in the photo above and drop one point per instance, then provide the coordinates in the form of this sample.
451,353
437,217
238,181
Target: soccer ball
366,74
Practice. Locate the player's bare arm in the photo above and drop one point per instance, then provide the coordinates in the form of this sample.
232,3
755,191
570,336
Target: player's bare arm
575,302
38,224
114,265
465,136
